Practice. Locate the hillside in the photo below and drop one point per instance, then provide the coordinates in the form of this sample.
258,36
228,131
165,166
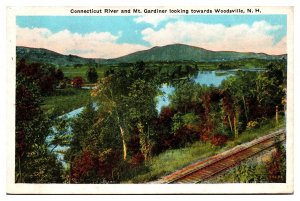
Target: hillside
51,57
180,52
174,52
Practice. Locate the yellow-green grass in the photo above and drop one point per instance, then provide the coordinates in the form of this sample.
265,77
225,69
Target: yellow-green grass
72,72
66,100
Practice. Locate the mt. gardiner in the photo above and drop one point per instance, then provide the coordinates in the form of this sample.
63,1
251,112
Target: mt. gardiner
168,53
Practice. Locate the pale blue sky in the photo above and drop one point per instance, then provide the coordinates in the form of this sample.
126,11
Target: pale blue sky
132,31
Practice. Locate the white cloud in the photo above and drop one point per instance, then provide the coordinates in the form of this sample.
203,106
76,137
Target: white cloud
154,19
242,38
91,45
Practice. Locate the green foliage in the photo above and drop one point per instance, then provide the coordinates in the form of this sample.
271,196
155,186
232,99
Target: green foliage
190,119
96,147
92,75
257,94
45,76
123,105
248,172
141,100
145,142
39,166
185,93
60,135
80,128
179,120
34,163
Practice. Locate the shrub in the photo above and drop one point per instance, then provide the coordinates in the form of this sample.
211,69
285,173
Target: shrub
137,159
83,167
276,168
205,137
218,140
183,136
77,82
92,75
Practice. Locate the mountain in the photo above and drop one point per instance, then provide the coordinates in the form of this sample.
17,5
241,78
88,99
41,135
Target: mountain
47,56
174,52
180,52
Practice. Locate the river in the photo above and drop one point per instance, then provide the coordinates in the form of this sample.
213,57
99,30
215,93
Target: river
208,78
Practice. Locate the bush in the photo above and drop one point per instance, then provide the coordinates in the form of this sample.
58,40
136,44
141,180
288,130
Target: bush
77,82
276,168
137,159
218,140
84,168
205,137
247,172
183,136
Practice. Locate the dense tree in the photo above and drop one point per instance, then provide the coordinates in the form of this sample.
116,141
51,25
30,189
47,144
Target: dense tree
255,95
185,95
141,110
109,94
59,74
92,75
95,154
34,163
45,76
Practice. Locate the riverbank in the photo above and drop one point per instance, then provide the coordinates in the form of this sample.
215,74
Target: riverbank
65,101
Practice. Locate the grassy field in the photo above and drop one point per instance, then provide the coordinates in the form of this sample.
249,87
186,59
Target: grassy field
65,100
175,159
72,72
243,63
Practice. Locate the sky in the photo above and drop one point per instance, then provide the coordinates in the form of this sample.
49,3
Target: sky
115,36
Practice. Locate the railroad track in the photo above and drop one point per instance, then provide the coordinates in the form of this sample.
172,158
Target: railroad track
212,166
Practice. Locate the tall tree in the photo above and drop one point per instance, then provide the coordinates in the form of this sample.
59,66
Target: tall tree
110,94
141,105
185,94
92,75
34,163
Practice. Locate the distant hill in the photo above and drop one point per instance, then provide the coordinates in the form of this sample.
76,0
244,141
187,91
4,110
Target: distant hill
47,56
180,52
174,52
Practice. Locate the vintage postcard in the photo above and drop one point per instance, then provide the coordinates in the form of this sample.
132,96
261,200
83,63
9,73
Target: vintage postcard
150,100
